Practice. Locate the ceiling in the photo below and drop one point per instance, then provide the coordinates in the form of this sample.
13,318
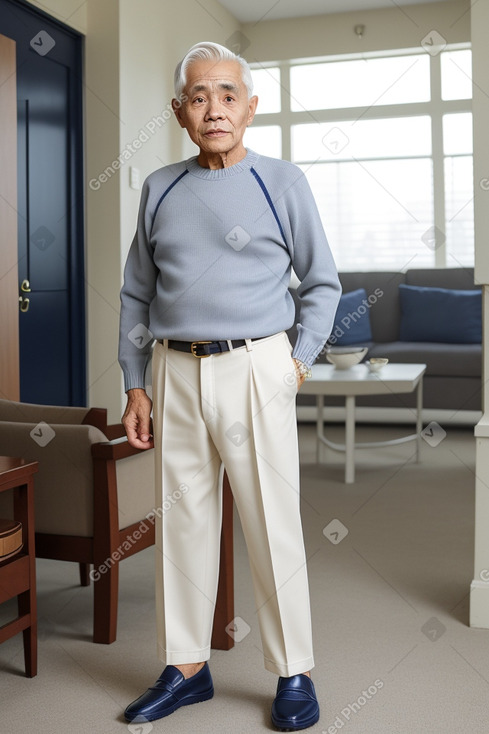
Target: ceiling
252,11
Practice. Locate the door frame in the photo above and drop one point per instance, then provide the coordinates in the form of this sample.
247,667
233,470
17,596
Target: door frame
9,305
76,204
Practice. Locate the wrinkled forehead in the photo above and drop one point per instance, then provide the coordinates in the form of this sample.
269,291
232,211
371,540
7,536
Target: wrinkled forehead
224,75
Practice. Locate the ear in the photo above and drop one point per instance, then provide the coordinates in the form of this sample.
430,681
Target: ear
252,103
177,109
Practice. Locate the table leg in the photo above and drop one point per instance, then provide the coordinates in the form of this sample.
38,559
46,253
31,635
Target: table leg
350,440
27,601
319,426
419,418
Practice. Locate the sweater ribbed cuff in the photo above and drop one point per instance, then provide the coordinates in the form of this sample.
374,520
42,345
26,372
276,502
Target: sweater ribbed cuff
308,345
134,379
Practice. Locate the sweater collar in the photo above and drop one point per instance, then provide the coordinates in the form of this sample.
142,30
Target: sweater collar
218,173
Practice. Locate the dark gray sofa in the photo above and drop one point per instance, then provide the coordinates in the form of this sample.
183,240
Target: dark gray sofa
453,377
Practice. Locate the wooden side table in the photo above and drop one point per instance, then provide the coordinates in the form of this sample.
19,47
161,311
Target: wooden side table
18,573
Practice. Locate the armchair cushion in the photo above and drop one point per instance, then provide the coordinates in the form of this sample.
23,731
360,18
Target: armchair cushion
135,487
64,484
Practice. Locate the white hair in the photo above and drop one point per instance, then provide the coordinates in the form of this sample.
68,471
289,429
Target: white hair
209,51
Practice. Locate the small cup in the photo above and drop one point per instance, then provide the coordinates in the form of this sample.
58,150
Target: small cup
375,364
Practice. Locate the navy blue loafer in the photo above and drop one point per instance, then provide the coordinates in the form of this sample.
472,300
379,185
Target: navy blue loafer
295,706
170,692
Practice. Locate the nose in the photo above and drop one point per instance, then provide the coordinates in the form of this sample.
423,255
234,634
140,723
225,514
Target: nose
214,110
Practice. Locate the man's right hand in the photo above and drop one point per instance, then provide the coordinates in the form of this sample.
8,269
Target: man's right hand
137,419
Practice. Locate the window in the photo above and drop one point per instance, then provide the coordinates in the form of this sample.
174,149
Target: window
459,210
388,138
266,140
360,83
386,144
266,84
456,75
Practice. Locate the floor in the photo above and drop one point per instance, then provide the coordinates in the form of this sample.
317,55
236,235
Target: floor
390,564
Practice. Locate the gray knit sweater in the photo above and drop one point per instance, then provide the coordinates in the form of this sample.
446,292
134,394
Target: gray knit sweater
212,258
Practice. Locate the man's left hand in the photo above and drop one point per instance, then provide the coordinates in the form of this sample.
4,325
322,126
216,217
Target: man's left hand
300,378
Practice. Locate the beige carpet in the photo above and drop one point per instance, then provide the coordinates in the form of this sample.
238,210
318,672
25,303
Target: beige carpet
390,606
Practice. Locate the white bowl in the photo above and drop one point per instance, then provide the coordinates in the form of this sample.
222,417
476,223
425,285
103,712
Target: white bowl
375,364
345,357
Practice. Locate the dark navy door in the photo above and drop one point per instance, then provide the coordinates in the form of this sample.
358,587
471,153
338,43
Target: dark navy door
50,205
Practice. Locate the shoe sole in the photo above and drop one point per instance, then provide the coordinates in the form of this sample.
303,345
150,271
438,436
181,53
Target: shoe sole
304,725
200,698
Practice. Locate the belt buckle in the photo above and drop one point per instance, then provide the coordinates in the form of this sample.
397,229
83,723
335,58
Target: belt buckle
193,347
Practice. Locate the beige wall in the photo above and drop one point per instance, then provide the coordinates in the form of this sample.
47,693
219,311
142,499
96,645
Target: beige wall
71,12
323,35
103,226
131,50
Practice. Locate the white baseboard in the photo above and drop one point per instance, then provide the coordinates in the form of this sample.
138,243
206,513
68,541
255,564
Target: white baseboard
336,414
479,604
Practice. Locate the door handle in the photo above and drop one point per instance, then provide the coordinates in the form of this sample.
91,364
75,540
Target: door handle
24,304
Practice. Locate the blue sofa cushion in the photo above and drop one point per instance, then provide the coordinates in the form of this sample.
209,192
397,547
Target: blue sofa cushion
440,315
352,320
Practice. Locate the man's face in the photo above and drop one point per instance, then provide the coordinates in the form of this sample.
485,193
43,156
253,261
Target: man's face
217,110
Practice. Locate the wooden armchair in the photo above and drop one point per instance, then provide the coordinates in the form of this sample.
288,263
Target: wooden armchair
87,509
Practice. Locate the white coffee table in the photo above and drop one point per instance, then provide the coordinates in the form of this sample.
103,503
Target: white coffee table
392,379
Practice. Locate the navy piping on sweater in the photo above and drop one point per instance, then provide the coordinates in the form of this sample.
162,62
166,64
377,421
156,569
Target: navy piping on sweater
260,183
167,191
270,203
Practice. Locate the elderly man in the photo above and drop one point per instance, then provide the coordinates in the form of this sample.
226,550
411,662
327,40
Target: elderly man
207,278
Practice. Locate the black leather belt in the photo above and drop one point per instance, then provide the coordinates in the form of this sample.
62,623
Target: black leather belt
202,349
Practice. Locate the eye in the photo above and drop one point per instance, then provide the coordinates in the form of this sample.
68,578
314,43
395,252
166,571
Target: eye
199,99
228,98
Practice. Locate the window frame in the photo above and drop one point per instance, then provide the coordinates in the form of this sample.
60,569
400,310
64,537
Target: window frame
435,108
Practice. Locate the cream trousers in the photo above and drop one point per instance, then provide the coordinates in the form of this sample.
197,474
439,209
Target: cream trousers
235,409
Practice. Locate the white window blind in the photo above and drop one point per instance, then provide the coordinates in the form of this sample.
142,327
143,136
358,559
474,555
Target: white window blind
378,143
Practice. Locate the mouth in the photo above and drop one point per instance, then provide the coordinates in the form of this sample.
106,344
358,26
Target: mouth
216,133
